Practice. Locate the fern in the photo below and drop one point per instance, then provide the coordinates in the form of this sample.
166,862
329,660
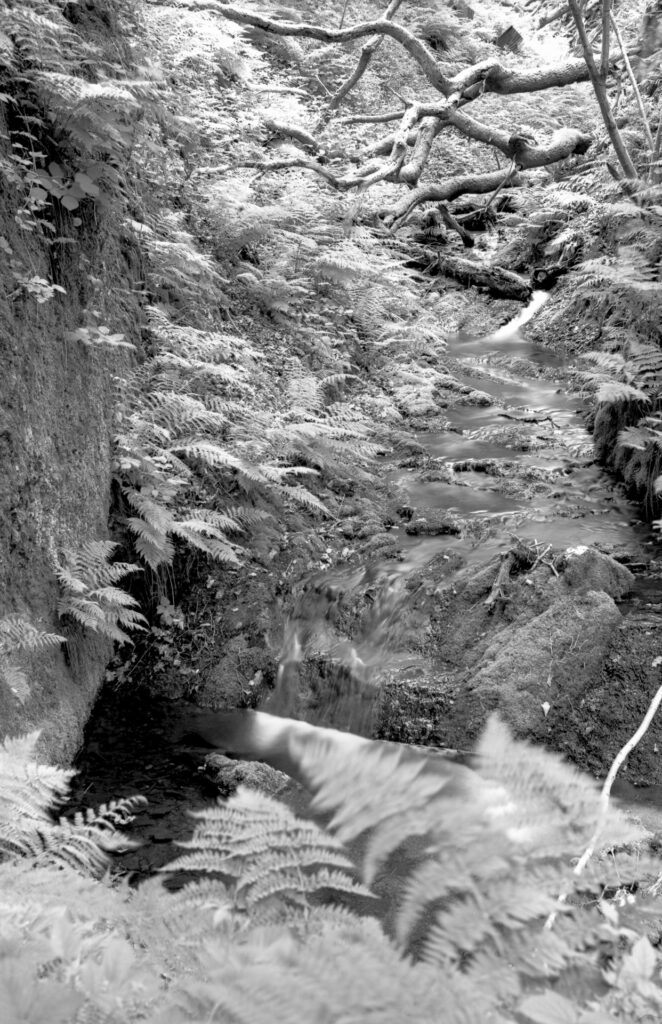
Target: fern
86,578
269,859
493,849
18,635
29,791
613,392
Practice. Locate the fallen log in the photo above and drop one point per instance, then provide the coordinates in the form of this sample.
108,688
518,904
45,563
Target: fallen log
496,280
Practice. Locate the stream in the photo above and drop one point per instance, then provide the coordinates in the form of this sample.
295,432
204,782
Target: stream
519,463
514,458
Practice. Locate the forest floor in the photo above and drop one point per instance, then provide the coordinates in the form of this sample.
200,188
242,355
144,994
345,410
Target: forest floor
482,561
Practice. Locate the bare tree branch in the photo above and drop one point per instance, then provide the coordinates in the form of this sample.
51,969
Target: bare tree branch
491,76
552,16
449,190
408,40
564,143
422,145
364,60
390,115
488,76
287,163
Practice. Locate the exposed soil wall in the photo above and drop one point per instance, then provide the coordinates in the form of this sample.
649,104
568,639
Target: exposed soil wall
56,403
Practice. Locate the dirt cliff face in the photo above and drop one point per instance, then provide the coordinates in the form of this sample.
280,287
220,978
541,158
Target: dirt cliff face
56,398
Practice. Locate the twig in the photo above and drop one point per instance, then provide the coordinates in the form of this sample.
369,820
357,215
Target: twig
606,792
502,577
609,781
513,169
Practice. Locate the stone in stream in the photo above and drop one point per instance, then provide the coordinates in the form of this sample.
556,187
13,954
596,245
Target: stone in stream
588,569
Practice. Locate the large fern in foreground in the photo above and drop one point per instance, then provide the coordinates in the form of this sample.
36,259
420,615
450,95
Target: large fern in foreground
268,860
471,863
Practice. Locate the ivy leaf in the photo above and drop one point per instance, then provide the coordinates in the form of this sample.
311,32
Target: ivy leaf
86,183
640,961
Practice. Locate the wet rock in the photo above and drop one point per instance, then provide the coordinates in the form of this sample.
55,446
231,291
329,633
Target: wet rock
360,527
229,774
442,472
586,568
408,448
594,729
476,398
416,400
383,544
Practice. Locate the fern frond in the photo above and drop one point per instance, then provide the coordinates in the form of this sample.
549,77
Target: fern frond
88,596
639,437
29,791
261,850
302,496
206,538
18,634
211,454
181,413
229,521
613,392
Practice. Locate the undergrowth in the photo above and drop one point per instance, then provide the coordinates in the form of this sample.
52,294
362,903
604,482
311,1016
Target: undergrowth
273,924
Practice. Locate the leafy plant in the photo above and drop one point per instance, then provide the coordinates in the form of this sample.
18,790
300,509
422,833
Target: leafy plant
268,861
52,79
192,424
28,792
88,593
18,634
469,864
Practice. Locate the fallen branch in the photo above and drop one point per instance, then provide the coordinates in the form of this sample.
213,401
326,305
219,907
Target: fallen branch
626,749
498,280
291,132
454,225
487,76
447,192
